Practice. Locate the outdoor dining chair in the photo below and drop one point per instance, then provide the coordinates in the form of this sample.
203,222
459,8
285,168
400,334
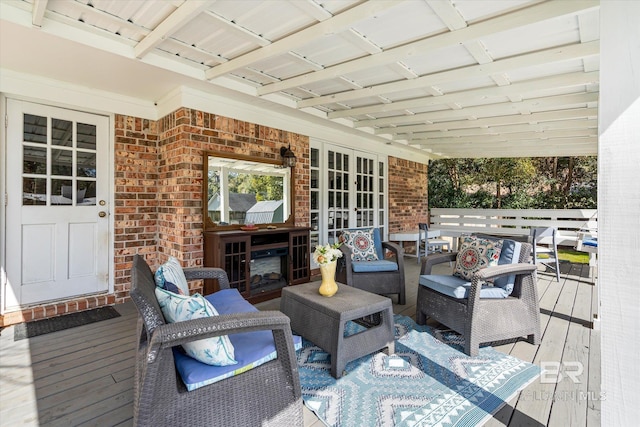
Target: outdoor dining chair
427,244
545,248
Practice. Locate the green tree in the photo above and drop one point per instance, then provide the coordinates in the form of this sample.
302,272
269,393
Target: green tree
521,183
513,173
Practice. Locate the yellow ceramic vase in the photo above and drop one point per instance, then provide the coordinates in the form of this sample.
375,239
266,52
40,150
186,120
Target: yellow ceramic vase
328,287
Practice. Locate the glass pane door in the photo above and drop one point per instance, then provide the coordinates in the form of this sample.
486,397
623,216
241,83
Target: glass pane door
338,198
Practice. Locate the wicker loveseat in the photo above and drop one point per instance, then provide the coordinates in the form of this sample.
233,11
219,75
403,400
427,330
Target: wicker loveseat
483,313
266,395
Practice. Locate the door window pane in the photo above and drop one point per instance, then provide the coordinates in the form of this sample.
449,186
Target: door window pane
61,133
61,192
86,136
55,172
61,162
34,191
86,193
86,164
34,129
34,160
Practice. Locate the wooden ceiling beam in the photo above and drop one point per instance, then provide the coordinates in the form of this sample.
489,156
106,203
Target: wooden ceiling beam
537,104
547,56
37,14
238,29
507,129
447,12
512,119
537,148
526,16
515,136
469,96
337,24
312,8
508,144
179,18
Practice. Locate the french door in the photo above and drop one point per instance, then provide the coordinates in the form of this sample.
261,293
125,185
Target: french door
347,191
57,179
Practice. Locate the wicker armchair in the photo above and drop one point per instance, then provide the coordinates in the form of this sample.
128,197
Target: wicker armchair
267,395
387,282
482,320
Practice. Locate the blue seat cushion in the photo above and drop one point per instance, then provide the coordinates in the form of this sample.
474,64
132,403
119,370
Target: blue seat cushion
591,241
228,301
510,255
373,266
252,349
458,287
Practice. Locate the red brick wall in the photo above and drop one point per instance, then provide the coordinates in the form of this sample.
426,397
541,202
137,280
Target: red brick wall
136,196
184,136
407,194
158,192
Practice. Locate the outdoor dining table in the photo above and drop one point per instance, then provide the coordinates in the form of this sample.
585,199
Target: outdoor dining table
412,236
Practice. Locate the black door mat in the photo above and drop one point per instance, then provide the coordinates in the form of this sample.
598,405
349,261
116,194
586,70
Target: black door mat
54,324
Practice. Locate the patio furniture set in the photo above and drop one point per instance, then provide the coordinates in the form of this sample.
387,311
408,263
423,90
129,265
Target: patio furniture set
248,375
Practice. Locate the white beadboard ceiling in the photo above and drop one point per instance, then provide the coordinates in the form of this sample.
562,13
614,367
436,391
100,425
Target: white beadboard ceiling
451,78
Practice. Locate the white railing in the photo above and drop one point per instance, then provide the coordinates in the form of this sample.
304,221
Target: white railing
455,222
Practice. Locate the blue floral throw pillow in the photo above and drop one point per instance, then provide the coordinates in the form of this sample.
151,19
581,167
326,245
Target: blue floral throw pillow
361,243
217,351
475,254
170,276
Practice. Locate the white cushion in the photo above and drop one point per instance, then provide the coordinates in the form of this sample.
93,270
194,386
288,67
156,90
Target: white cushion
171,271
216,351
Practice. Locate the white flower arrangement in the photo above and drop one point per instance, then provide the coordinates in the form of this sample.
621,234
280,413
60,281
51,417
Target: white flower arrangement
327,253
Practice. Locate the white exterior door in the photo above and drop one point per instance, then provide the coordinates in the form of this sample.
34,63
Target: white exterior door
353,195
57,236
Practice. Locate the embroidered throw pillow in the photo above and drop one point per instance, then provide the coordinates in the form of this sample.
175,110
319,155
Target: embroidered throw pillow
475,254
217,351
361,243
171,272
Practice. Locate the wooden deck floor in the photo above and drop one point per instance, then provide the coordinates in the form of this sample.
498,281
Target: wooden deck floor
84,375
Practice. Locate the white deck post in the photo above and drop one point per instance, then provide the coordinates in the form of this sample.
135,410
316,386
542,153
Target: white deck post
619,211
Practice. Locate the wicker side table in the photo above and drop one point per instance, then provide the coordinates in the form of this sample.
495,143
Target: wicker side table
322,320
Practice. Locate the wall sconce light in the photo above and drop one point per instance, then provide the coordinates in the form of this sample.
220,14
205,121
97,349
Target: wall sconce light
288,158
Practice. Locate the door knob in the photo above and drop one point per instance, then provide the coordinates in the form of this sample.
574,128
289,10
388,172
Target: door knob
102,214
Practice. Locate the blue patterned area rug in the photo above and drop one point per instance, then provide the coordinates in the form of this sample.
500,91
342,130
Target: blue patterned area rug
428,382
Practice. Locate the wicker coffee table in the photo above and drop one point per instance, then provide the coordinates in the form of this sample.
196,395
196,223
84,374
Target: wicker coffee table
322,320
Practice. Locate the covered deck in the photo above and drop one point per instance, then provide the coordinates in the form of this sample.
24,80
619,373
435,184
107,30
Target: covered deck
84,375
